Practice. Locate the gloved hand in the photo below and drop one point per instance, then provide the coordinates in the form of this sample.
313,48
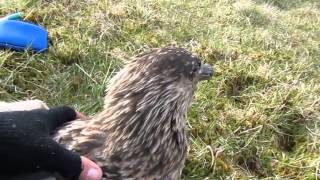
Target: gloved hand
26,146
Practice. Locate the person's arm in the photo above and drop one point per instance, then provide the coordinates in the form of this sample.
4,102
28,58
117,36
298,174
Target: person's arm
22,105
25,145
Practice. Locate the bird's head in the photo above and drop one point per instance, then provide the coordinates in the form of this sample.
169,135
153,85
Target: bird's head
168,67
175,63
155,86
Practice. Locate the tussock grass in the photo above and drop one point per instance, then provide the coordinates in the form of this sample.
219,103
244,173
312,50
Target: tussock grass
257,118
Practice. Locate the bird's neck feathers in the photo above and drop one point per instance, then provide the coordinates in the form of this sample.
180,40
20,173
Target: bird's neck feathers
144,108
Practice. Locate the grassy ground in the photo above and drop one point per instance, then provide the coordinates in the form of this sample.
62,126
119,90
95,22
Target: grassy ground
257,118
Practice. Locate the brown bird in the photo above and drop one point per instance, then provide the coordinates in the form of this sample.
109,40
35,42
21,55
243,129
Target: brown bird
141,132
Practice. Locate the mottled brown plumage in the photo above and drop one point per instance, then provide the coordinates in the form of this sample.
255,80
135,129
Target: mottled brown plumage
141,131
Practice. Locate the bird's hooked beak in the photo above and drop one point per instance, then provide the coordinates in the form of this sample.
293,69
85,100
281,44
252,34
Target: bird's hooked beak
206,72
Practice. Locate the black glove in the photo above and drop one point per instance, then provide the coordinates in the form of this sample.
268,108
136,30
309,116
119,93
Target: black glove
25,144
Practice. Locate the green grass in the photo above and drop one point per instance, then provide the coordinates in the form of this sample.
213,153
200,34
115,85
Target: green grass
257,118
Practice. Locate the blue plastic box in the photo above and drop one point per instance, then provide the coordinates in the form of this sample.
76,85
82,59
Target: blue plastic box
21,35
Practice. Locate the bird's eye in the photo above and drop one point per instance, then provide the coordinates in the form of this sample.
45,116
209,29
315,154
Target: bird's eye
196,67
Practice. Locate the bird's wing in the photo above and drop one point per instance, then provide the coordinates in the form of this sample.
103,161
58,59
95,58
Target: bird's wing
81,137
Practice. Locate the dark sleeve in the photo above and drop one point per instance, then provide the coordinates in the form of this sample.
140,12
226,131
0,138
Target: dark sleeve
26,147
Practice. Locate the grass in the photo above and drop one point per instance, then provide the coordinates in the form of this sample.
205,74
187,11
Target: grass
257,118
